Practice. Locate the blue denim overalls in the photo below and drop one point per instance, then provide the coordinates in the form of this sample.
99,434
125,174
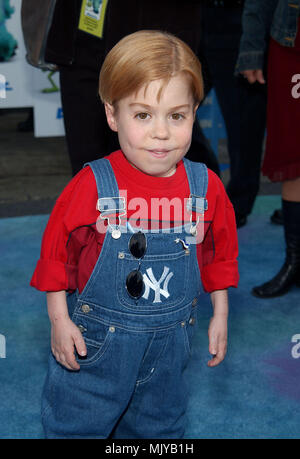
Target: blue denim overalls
131,384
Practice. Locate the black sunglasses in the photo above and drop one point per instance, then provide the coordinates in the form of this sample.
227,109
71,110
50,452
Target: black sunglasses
134,281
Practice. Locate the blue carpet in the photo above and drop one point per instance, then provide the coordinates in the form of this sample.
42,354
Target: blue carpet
254,393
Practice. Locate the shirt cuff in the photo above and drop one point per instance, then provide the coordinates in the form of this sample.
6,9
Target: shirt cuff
49,276
249,60
219,276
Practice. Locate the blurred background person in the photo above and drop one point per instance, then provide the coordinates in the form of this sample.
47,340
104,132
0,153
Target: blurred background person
243,105
272,26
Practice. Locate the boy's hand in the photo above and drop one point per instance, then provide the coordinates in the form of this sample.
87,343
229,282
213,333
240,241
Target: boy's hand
64,336
64,333
217,334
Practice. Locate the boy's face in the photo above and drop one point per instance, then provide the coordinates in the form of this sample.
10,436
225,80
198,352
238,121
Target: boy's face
154,136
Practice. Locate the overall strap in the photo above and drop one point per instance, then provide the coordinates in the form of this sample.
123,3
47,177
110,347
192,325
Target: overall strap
198,181
109,200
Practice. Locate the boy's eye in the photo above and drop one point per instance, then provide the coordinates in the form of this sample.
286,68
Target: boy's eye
176,116
142,116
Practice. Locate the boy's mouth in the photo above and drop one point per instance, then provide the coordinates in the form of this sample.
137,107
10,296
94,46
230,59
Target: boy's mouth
159,153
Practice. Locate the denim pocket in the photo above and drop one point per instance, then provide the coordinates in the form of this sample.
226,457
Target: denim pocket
165,278
97,336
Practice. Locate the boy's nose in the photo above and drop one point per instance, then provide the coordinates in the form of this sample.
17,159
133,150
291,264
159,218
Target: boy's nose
160,129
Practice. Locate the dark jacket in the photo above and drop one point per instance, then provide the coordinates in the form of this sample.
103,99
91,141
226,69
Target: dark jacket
63,38
122,17
182,18
262,19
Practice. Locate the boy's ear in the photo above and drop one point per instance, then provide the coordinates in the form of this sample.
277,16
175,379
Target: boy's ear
110,116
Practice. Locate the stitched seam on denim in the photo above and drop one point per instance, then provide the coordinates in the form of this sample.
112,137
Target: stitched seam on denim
48,407
149,347
197,271
186,339
99,262
45,411
104,177
145,308
138,329
100,352
129,317
142,381
164,257
93,343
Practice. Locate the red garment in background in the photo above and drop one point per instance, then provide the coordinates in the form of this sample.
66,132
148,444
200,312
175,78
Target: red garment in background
282,157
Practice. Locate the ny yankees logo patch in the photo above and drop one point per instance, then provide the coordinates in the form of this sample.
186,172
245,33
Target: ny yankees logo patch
155,285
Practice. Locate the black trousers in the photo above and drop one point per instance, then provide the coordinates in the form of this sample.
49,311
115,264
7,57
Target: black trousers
88,136
243,105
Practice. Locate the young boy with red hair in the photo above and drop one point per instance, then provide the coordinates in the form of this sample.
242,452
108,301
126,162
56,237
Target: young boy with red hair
123,279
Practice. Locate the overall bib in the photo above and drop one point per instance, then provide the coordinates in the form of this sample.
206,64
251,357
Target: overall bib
131,384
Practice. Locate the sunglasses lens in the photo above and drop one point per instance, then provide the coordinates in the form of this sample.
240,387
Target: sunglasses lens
137,244
135,284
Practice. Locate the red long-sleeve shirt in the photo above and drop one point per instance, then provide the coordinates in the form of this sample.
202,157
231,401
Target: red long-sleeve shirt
71,242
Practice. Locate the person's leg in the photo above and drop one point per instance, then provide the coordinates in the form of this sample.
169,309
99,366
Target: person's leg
245,177
291,190
88,403
289,274
87,133
201,151
276,217
243,106
158,405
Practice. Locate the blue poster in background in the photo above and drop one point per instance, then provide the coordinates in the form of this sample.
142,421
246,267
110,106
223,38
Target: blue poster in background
212,123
